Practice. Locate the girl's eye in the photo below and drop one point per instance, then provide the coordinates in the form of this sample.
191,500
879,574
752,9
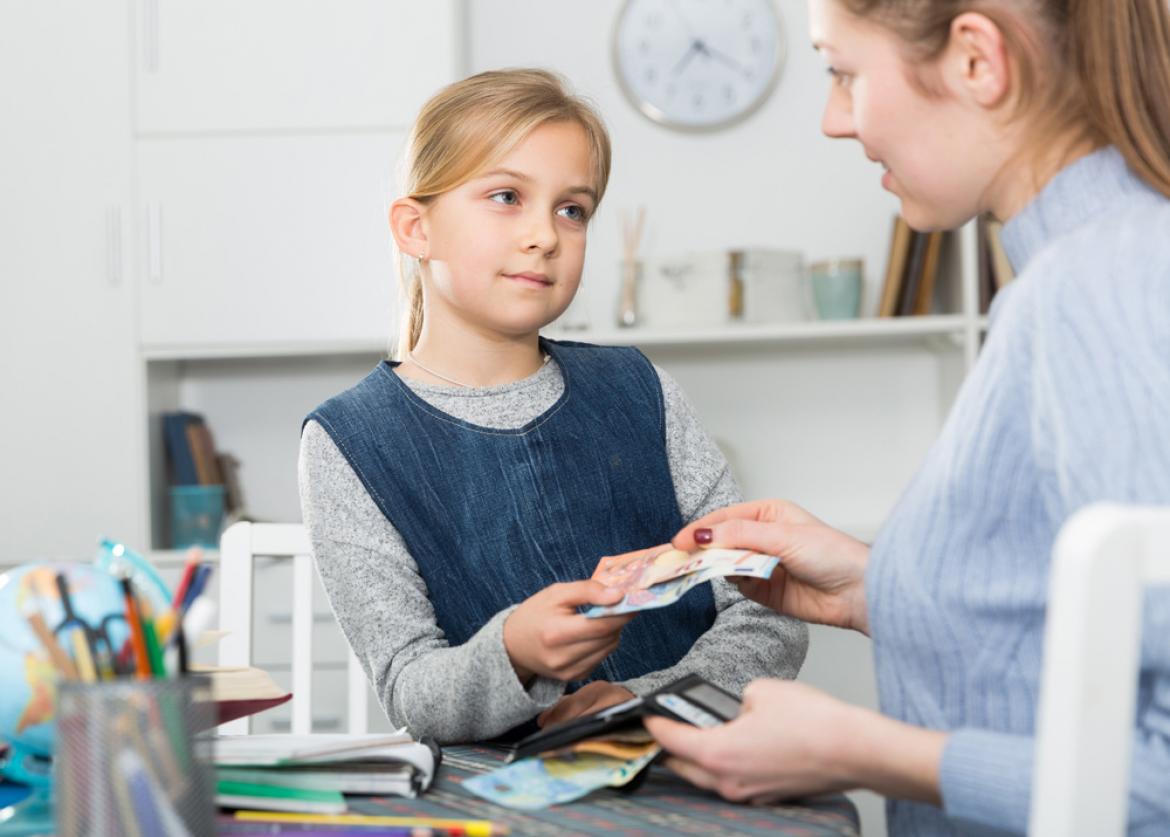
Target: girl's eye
573,212
839,78
508,197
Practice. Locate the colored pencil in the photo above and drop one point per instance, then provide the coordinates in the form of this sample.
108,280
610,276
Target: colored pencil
56,653
138,641
471,828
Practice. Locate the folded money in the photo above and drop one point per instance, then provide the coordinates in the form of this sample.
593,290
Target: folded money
536,783
661,576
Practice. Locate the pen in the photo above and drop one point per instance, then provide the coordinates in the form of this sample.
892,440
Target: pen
193,559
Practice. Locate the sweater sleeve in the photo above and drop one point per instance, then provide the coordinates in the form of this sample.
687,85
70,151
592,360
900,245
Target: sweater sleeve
1101,393
747,640
451,693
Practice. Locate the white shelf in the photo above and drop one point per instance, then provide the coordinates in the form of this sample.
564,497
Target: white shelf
869,330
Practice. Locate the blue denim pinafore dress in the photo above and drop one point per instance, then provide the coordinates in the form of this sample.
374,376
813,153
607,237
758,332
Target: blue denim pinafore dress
492,516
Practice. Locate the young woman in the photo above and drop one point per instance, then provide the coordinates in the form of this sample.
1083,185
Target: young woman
457,498
1053,115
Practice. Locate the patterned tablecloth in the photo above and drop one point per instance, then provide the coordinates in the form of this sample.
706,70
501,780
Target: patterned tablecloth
664,804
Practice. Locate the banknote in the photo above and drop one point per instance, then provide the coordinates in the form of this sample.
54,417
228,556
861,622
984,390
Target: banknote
643,570
742,562
536,783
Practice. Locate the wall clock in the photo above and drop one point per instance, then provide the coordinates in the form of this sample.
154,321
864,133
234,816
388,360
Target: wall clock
698,65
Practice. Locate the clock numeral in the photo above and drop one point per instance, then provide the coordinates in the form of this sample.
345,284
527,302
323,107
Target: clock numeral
651,75
729,93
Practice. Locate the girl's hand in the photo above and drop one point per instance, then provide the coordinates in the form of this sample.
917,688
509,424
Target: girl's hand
546,635
793,740
821,577
590,698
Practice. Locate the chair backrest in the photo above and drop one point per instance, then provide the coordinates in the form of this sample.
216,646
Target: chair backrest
240,545
1104,557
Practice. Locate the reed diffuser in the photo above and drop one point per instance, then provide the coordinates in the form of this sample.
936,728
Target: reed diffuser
631,269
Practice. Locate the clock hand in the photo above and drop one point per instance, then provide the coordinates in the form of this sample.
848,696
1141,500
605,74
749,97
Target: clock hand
694,49
722,58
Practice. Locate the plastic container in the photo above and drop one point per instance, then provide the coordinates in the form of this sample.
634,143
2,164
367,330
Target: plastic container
196,515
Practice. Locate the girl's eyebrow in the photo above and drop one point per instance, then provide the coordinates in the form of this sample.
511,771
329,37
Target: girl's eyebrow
517,175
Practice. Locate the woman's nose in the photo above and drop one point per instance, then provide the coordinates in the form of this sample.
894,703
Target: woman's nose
837,120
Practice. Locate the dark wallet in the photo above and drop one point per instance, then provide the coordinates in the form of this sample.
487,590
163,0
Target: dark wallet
690,699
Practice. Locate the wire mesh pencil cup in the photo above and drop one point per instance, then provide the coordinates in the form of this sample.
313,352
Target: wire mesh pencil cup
125,762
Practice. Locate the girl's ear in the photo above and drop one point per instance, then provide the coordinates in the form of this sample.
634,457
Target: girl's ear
407,227
976,60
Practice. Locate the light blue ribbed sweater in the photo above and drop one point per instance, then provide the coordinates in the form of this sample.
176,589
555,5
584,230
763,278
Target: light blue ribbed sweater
1068,404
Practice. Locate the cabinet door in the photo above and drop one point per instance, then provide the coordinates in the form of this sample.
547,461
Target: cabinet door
71,432
256,65
267,241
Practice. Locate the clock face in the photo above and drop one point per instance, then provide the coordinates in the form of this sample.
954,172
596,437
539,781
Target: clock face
698,64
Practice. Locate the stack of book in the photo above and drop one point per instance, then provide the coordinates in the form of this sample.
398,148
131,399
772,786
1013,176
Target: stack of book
310,773
193,460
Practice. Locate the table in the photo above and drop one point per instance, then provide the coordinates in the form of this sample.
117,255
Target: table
664,804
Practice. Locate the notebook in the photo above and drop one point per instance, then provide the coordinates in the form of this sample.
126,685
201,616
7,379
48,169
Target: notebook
372,763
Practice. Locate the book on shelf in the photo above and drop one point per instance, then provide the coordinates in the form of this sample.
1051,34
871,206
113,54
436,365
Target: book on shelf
900,242
190,450
372,763
923,300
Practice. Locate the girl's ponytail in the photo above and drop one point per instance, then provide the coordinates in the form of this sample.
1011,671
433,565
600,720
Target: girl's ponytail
412,312
1120,50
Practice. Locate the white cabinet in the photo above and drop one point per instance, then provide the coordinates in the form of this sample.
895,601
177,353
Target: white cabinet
72,431
262,65
267,239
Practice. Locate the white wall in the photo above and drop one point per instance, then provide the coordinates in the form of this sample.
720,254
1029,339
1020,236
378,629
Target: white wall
773,180
840,432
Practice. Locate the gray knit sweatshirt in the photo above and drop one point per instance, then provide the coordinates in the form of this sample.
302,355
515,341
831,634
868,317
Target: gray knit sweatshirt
471,691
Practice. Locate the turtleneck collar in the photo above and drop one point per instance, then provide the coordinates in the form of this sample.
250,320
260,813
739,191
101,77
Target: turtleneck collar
1080,191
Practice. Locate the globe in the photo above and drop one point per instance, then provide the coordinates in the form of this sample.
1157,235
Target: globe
28,681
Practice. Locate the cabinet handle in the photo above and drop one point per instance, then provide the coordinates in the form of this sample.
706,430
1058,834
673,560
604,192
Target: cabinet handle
150,35
114,246
154,243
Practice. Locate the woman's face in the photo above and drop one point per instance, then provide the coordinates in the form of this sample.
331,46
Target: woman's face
940,152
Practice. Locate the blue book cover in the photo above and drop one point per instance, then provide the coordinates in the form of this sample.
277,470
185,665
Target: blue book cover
178,447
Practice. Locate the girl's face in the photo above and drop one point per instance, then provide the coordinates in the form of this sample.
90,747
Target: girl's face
506,248
940,153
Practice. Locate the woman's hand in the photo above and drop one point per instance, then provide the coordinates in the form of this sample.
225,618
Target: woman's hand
792,740
546,635
590,698
821,577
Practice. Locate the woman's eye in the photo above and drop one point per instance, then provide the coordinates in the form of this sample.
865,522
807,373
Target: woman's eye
839,78
505,196
573,212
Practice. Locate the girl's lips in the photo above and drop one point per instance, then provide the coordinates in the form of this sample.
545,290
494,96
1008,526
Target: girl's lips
535,279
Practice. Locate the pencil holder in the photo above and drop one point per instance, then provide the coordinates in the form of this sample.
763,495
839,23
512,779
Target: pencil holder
125,762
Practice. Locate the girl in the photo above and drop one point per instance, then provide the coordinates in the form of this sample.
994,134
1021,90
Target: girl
1055,116
489,466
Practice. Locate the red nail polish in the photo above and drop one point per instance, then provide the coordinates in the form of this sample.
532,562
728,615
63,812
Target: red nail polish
703,536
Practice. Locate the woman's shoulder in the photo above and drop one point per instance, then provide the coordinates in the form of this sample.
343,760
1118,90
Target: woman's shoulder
1116,266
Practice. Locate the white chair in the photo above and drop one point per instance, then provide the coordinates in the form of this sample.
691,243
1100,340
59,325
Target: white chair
1103,559
240,545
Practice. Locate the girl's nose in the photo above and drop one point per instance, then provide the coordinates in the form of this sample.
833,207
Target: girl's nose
541,236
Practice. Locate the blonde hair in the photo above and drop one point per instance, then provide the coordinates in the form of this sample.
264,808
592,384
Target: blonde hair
469,124
1107,76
